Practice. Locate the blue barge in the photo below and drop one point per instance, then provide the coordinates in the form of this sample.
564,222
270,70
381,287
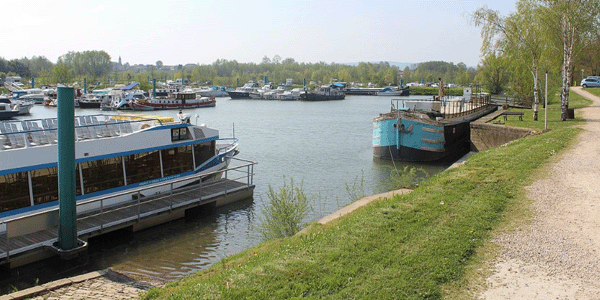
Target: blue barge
428,130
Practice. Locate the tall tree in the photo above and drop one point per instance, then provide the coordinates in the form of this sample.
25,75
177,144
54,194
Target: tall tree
518,36
570,23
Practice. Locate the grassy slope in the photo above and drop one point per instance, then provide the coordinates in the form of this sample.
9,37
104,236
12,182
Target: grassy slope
417,246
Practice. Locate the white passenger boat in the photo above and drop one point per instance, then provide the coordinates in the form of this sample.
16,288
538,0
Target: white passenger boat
113,154
23,106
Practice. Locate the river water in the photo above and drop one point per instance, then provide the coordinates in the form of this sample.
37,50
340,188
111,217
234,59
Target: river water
323,146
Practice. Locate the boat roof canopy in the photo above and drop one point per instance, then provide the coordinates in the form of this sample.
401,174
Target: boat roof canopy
132,85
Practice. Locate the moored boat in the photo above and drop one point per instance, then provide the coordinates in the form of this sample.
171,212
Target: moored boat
428,130
215,91
244,91
23,106
179,100
113,155
323,93
7,111
389,91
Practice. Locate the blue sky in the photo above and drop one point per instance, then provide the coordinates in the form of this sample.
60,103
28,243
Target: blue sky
186,31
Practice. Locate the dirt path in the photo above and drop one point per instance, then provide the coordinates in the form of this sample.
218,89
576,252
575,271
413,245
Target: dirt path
557,256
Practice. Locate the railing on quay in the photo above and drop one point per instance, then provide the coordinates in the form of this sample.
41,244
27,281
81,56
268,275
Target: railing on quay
519,102
246,169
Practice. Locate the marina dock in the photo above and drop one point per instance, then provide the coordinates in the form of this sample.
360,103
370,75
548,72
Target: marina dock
21,243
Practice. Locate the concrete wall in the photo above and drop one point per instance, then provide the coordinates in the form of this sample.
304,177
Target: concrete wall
486,135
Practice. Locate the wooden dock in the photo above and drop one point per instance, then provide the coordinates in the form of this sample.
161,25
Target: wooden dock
18,248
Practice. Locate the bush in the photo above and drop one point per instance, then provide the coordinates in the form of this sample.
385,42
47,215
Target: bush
405,178
285,212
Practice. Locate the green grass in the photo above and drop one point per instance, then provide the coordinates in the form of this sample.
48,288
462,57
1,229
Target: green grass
554,122
594,91
430,244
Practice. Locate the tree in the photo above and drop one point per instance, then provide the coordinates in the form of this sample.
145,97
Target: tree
493,73
88,63
18,67
61,73
569,23
266,60
159,64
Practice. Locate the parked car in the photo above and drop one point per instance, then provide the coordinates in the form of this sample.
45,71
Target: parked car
590,82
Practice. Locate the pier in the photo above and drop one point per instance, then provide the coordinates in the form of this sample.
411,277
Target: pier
30,238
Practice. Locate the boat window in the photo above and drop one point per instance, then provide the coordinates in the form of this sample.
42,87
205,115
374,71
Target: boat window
204,152
142,167
178,134
102,174
177,160
14,191
45,185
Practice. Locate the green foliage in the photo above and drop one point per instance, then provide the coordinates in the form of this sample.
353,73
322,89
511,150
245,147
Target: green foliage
61,73
92,63
432,70
285,212
356,191
407,177
493,73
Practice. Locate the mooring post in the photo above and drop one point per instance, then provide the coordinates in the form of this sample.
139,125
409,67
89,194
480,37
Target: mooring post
85,85
153,88
237,82
67,212
32,82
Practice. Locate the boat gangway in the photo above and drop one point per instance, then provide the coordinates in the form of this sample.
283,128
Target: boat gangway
23,242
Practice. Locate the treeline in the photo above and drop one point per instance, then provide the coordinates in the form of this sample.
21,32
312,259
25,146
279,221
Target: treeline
431,71
96,66
226,72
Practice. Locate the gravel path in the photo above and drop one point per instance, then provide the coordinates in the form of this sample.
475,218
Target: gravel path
557,256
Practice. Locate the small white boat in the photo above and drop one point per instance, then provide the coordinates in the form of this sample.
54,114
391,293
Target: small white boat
7,111
23,106
215,91
389,91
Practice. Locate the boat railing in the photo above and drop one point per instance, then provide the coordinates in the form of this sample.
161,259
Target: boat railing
449,107
233,142
37,132
243,173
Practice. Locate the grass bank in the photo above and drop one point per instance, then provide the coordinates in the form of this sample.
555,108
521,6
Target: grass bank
417,246
575,101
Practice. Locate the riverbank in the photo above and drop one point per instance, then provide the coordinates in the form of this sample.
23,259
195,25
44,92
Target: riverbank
393,247
411,246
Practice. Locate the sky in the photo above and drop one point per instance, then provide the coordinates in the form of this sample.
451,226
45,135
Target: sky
202,31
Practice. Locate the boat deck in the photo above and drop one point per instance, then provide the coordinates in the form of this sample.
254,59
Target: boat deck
138,214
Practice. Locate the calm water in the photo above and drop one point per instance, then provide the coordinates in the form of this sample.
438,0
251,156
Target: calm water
323,145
